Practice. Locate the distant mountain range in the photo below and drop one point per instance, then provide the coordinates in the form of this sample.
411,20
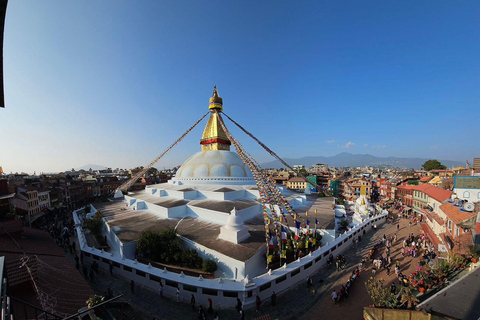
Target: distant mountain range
92,166
346,159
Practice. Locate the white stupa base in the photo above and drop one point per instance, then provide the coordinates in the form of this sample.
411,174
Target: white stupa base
234,235
118,194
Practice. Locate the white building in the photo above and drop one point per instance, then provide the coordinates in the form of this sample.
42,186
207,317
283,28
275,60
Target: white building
44,199
319,167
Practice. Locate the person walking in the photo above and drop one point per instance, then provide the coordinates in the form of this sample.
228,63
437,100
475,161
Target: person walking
110,267
239,305
210,305
257,303
178,294
242,315
273,298
334,296
132,286
192,302
161,290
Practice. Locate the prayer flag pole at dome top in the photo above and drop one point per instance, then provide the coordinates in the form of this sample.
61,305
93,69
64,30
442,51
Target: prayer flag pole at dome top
129,183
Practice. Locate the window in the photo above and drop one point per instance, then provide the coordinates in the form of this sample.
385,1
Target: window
450,225
171,283
262,287
281,279
190,288
457,231
466,194
210,292
231,294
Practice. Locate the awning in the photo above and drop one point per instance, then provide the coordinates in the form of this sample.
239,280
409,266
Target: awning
428,232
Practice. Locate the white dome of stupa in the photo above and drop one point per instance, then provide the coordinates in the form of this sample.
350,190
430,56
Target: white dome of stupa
214,167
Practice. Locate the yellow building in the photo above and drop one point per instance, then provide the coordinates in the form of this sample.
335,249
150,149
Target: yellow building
296,184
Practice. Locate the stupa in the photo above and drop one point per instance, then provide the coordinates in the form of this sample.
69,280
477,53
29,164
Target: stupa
211,202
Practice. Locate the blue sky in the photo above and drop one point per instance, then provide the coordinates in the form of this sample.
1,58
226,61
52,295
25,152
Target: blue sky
116,82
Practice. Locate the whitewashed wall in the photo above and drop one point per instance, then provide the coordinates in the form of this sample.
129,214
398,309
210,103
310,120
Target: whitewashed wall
224,292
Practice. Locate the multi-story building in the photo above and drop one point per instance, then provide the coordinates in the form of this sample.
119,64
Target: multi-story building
296,184
319,167
352,187
467,188
44,199
476,164
386,190
6,198
427,199
452,226
404,194
26,201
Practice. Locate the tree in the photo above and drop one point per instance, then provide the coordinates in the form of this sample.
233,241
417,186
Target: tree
303,172
160,246
382,297
152,170
433,165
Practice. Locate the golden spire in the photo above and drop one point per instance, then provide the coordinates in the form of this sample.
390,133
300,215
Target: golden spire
214,138
215,101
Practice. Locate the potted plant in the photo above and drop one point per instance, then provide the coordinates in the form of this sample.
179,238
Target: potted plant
475,257
472,254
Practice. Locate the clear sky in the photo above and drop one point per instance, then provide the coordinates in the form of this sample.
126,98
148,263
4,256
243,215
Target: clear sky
116,82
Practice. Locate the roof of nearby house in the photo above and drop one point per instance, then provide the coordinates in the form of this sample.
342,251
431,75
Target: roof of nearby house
458,300
434,192
56,277
407,187
456,214
435,180
438,194
296,180
460,243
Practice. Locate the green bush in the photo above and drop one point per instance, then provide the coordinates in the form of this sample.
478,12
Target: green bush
166,247
209,266
94,224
